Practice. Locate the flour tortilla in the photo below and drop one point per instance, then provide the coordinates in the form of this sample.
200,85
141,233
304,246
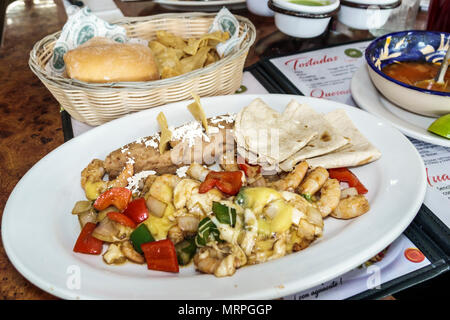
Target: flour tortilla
327,140
265,132
357,152
251,158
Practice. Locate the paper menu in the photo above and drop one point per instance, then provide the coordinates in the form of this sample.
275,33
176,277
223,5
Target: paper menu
394,262
324,73
437,166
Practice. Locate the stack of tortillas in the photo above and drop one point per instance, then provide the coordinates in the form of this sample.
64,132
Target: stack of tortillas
280,141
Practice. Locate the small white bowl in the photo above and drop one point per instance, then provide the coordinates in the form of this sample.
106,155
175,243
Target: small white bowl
259,8
288,5
302,21
366,14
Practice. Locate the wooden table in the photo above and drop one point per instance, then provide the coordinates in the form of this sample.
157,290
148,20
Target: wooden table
30,122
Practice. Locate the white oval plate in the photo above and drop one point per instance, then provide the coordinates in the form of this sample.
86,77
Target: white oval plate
39,231
212,5
370,99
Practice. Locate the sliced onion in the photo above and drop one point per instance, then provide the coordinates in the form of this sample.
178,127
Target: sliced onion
81,207
105,231
129,252
188,223
102,214
314,216
156,207
88,216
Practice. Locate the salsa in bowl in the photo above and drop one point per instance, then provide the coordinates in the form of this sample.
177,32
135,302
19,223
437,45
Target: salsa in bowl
417,54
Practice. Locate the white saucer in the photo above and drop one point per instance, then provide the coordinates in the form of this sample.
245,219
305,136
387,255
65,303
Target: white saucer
369,98
201,5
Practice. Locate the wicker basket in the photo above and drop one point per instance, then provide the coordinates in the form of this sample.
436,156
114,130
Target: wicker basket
95,104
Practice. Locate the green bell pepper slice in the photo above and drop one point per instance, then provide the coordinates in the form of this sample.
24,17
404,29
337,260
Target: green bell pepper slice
139,236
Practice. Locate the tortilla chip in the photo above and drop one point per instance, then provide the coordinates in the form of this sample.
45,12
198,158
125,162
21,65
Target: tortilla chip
217,37
175,56
195,108
211,57
194,62
157,47
168,63
170,40
166,134
209,39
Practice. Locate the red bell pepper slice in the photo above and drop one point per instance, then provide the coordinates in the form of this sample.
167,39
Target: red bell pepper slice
122,219
118,197
161,255
86,243
229,182
345,175
207,185
137,210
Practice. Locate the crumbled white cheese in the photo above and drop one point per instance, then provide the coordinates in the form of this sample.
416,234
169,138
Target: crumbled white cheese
181,172
153,141
228,118
130,160
140,140
133,182
189,132
123,149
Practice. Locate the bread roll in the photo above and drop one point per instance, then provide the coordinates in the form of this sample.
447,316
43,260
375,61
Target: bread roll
103,60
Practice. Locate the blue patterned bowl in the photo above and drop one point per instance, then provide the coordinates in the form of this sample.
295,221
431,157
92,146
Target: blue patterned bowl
409,46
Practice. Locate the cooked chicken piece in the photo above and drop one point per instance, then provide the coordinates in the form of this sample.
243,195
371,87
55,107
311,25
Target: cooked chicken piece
189,144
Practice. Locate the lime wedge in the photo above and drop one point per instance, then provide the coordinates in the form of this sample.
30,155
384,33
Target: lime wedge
441,126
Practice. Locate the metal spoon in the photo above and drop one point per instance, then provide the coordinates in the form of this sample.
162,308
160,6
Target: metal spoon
438,82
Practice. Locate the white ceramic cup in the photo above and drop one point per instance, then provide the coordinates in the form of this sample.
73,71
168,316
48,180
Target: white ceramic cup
259,8
302,21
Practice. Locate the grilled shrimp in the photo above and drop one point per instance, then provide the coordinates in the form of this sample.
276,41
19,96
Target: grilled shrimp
93,172
175,234
311,226
187,225
221,261
351,207
313,181
330,195
293,179
127,249
92,178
